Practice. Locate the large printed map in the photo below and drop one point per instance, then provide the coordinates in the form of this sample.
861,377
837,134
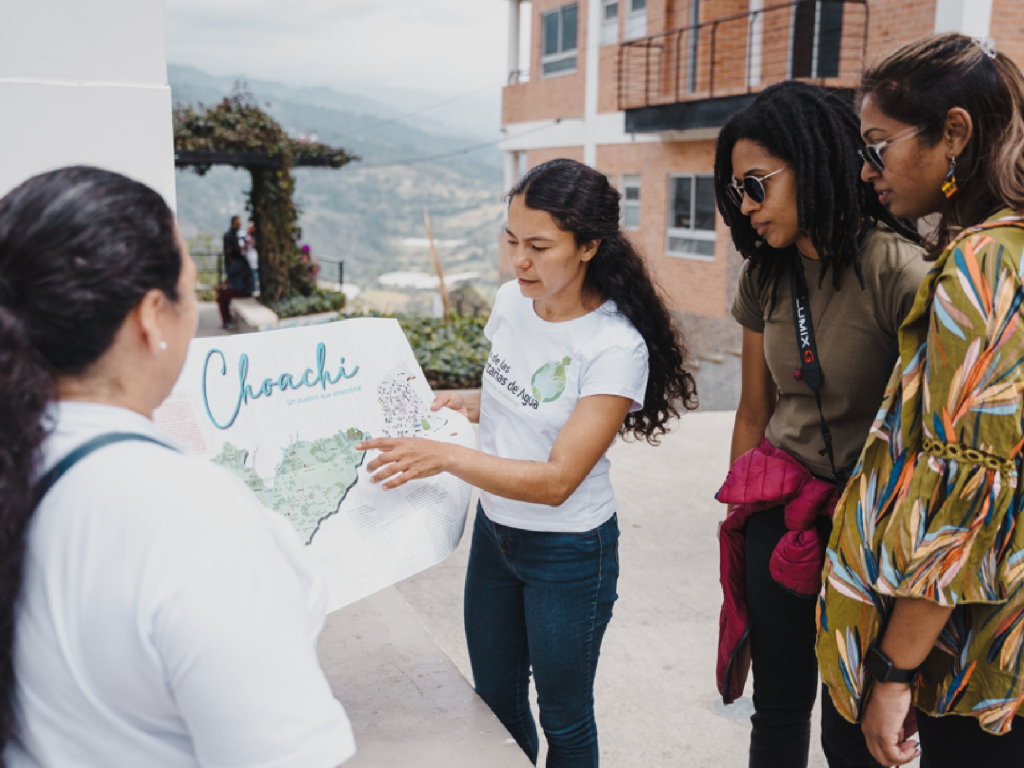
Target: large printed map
309,484
283,412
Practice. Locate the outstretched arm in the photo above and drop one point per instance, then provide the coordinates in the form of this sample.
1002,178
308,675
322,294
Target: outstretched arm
585,437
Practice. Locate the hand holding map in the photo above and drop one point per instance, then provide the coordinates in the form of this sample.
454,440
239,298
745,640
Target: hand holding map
404,459
287,412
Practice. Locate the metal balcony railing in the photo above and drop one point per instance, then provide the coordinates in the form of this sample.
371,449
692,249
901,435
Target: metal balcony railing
823,41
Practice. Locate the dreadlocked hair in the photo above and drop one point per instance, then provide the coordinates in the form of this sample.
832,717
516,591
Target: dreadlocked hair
817,133
581,201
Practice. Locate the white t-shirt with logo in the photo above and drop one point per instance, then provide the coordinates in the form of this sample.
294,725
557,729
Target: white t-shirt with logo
166,618
536,373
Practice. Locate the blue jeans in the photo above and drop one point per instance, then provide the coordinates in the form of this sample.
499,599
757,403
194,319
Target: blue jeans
543,600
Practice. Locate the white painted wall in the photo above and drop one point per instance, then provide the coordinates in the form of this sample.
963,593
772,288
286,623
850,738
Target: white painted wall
972,17
85,82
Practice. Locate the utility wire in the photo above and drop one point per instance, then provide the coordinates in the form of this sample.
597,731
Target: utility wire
445,155
416,113
406,116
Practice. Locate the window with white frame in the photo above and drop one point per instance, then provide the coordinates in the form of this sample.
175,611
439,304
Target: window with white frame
630,188
691,216
636,19
609,22
558,51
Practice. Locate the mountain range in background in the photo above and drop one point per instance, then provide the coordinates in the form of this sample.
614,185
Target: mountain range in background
368,214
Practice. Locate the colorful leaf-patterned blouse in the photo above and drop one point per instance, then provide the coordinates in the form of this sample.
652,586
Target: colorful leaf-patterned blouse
933,506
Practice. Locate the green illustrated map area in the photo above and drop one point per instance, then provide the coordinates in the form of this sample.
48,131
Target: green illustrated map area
311,481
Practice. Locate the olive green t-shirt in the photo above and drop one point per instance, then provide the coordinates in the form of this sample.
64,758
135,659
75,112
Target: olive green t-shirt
854,330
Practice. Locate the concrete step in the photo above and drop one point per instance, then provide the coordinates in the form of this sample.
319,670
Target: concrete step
251,315
408,703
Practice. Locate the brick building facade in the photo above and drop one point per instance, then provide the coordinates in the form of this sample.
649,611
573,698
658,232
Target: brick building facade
639,89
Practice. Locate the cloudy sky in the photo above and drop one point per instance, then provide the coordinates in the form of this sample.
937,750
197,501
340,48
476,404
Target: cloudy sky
441,46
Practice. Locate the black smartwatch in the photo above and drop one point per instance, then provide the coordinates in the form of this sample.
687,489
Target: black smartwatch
883,670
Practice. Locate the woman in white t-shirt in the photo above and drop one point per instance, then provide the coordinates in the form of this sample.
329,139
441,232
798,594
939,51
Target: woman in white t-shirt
582,349
152,612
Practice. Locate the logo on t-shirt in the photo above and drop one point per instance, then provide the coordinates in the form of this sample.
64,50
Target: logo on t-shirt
548,383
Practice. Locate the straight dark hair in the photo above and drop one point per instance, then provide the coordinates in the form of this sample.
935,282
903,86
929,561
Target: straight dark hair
921,82
817,132
79,248
581,201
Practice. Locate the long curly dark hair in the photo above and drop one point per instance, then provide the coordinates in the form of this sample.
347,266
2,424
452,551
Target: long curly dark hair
79,248
817,132
581,201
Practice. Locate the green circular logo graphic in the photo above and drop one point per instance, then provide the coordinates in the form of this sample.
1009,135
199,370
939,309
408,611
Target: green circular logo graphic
548,383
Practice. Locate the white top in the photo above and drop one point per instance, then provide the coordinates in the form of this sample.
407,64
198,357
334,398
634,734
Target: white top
166,618
535,375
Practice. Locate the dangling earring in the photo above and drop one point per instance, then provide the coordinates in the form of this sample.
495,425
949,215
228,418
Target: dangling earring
949,185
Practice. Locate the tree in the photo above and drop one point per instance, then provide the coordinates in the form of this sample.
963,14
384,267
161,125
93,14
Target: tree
239,133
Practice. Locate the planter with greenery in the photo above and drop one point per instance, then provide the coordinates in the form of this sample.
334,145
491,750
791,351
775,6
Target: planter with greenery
452,356
316,302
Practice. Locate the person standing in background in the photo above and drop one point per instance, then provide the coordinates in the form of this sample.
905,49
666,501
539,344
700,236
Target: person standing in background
239,283
249,250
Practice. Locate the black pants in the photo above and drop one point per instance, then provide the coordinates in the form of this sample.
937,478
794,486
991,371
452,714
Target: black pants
785,669
955,741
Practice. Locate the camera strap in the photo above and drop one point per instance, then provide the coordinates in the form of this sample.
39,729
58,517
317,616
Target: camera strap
810,371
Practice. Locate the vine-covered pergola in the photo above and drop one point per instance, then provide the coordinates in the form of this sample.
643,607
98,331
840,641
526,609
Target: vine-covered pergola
239,133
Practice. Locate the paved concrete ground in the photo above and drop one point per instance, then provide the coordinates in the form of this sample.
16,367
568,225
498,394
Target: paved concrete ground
408,704
209,321
656,698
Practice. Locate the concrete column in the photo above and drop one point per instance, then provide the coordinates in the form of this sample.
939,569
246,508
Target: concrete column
513,41
756,45
511,169
85,83
972,17
590,49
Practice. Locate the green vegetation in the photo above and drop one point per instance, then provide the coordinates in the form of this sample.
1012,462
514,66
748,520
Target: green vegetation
318,301
453,356
239,125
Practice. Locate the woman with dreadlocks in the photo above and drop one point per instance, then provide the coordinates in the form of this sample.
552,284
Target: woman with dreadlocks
829,275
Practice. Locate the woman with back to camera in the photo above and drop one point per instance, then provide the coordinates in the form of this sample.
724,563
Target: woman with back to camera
924,593
152,612
582,349
821,249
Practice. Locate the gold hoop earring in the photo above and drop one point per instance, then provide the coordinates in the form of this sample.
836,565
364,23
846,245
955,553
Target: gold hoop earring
949,185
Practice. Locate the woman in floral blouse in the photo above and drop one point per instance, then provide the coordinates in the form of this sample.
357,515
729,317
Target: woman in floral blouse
923,596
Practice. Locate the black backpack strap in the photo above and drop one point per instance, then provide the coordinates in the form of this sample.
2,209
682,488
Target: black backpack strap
47,481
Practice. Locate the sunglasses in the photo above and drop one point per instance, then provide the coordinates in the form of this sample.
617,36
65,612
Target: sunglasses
872,153
752,186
